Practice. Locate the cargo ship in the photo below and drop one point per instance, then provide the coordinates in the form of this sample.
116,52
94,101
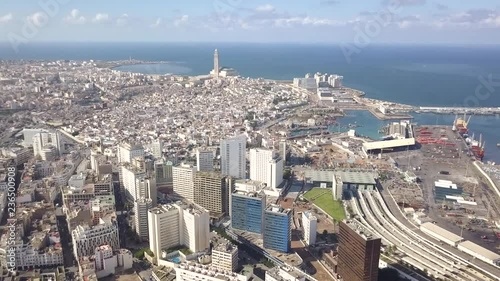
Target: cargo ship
476,147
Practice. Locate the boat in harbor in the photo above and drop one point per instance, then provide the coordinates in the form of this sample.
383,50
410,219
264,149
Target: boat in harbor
476,147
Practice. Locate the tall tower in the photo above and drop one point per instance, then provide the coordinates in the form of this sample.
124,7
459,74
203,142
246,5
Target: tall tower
216,64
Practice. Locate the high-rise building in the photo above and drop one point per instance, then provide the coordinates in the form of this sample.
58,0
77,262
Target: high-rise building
164,176
46,143
157,149
216,64
266,166
247,210
183,181
212,191
129,176
309,222
146,188
233,156
180,223
164,228
277,233
282,150
126,152
204,160
141,208
225,255
358,252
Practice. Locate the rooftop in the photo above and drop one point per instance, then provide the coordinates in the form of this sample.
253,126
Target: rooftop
441,231
480,250
361,230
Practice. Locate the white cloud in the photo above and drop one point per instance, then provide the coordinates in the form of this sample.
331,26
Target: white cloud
38,19
265,8
6,18
157,23
101,18
75,18
181,20
122,20
305,21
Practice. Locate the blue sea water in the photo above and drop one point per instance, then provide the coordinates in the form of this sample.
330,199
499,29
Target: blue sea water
417,75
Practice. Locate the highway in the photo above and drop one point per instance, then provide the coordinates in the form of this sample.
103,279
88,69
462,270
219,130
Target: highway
419,252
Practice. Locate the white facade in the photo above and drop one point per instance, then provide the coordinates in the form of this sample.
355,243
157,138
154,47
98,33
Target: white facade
27,256
146,188
233,157
42,143
157,149
225,256
284,273
204,160
127,152
198,272
183,181
266,166
130,176
309,222
105,261
178,224
141,208
87,238
164,228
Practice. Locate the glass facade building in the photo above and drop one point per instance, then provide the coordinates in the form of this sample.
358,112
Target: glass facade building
277,228
247,211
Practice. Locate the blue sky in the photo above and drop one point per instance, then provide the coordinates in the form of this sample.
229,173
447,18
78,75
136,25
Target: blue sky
383,21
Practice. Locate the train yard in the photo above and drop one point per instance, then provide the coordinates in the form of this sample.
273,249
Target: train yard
414,249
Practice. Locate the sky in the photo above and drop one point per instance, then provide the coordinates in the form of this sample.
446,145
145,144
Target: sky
304,21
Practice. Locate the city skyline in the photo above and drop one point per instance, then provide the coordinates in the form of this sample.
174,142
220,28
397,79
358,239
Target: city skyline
384,21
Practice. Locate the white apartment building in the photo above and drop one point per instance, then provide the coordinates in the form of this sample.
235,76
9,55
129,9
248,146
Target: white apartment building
141,208
204,160
105,262
309,222
126,152
164,228
266,166
183,181
225,255
86,238
233,157
129,176
146,188
45,143
178,224
28,256
198,272
157,149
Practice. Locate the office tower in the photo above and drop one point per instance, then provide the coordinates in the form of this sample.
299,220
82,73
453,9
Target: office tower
180,223
157,149
164,177
225,255
358,252
126,152
216,64
212,191
204,160
129,176
266,166
232,156
86,237
277,232
141,208
282,150
45,143
146,188
247,210
309,222
183,181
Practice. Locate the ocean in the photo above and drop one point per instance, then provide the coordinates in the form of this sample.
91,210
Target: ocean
422,75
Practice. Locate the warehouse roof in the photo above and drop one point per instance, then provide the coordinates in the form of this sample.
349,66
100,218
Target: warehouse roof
357,177
480,250
442,232
388,144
